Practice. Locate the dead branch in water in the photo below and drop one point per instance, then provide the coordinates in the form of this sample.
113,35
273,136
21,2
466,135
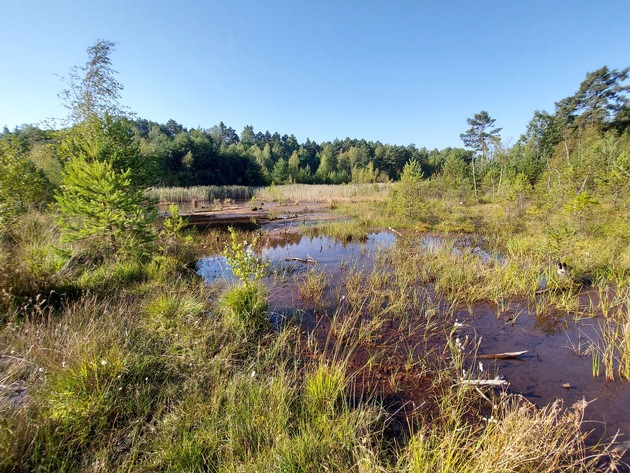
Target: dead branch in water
485,382
308,260
503,356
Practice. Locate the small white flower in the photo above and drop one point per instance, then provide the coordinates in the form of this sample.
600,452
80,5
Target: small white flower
146,379
458,324
63,364
481,366
41,370
103,362
253,374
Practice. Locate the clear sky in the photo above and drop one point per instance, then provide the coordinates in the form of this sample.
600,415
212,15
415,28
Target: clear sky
400,72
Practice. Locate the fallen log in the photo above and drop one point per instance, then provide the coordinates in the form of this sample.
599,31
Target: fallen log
503,356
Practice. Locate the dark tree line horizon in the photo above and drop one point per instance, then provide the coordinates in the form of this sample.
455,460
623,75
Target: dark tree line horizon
173,155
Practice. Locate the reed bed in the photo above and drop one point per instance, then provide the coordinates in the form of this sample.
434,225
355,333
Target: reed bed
201,193
323,192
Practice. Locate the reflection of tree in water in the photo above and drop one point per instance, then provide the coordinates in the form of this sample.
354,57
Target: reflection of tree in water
280,239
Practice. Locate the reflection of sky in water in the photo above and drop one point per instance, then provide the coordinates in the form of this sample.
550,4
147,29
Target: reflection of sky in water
213,268
328,252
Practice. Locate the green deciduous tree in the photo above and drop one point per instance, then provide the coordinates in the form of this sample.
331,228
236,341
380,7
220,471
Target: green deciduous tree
21,183
101,199
93,88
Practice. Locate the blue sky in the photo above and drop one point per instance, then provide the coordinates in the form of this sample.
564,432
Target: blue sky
400,72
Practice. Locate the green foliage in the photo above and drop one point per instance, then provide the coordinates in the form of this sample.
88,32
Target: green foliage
280,173
246,265
600,97
21,184
174,223
99,205
92,88
108,139
481,134
581,205
406,196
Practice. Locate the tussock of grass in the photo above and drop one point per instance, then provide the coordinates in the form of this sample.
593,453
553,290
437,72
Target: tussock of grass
245,306
517,437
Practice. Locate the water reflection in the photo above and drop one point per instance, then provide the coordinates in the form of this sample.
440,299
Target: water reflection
328,253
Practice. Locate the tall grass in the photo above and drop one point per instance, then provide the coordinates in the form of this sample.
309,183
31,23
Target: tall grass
201,194
322,192
517,437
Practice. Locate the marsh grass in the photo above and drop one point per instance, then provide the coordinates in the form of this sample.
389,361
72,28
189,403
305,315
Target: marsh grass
330,194
344,231
517,437
147,369
311,286
245,306
201,194
610,350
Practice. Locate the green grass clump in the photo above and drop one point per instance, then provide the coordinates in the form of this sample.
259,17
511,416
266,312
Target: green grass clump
312,285
245,306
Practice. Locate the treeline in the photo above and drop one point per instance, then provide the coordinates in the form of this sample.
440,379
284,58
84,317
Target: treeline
582,144
220,155
173,155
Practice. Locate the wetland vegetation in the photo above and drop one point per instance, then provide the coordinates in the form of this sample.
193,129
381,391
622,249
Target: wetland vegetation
363,351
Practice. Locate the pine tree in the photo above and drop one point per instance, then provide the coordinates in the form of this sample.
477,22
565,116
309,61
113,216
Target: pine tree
99,205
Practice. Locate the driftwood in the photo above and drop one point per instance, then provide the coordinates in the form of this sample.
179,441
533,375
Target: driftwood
485,382
503,356
308,260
